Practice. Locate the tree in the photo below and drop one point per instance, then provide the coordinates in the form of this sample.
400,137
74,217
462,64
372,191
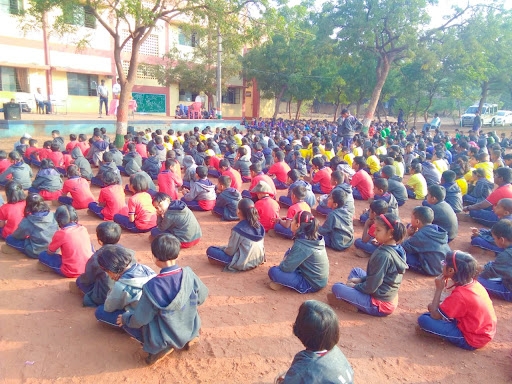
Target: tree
140,18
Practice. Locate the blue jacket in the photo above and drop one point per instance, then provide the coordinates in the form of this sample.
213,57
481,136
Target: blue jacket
310,198
228,200
180,221
453,196
338,226
37,231
445,217
48,180
21,172
501,268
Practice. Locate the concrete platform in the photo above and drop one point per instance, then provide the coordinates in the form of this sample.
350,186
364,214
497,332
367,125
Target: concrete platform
36,124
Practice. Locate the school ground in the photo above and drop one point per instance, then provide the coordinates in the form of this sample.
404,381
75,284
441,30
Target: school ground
46,336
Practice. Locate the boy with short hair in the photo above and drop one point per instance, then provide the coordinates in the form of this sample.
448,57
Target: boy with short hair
152,164
337,230
226,205
97,149
443,213
132,161
167,309
268,209
486,165
82,163
279,170
482,237
427,243
380,192
282,225
201,196
372,162
430,172
395,185
367,244
256,176
453,193
338,181
481,189
227,170
168,181
106,165
321,176
56,138
416,185
295,179
361,182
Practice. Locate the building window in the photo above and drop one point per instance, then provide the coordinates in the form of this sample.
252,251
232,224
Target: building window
81,16
82,85
13,79
187,95
150,46
14,7
189,40
231,96
144,71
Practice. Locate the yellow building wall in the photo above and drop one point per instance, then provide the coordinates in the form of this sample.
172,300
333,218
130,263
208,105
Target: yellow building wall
267,107
231,110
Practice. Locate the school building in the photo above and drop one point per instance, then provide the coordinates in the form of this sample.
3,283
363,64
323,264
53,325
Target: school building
42,59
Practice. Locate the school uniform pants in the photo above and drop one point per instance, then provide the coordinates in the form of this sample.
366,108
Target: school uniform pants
413,261
293,280
17,244
480,242
496,288
125,222
109,318
283,231
52,260
65,200
279,184
366,247
411,194
214,173
357,195
361,300
468,199
97,181
96,209
484,216
218,254
316,189
445,329
285,200
323,209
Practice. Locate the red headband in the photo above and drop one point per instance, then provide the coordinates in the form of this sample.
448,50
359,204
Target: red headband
307,219
385,219
454,260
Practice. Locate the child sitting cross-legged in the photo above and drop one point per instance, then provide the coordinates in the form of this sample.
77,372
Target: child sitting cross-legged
18,171
129,277
339,180
295,179
453,192
48,182
482,237
111,199
176,218
168,181
107,164
226,205
427,243
416,185
443,213
282,225
11,213
245,249
367,244
167,309
201,196
380,192
73,241
78,187
337,230
481,189
94,283
268,209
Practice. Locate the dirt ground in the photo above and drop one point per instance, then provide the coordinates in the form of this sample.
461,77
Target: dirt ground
46,336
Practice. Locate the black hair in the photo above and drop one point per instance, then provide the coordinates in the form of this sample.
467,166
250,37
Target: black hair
55,147
503,228
299,192
424,214
337,176
242,151
379,206
224,163
138,182
294,175
109,178
108,232
202,171
249,212
279,155
318,162
339,197
165,247
72,137
55,132
169,163
360,161
108,157
316,326
255,167
15,156
399,229
73,170
464,265
3,154
225,180
449,176
308,225
416,167
381,183
65,214
503,172
35,204
388,170
82,137
14,192
114,259
370,150
47,164
437,191
151,151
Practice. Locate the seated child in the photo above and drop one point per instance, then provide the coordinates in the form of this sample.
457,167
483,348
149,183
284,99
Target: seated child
201,196
174,321
482,237
372,162
40,154
317,327
361,182
141,216
189,173
243,164
107,164
496,276
305,266
380,192
245,249
168,181
257,175
81,162
337,230
375,291
11,213
461,181
129,277
339,180
73,241
98,147
73,142
152,164
35,231
57,138
268,209
466,317
117,155
57,157
226,205
78,187
30,153
486,165
395,185
83,144
94,283
18,171
481,190
443,213
48,182
176,218
426,244
439,162
234,175
416,185
298,163
321,176
295,179
367,244
279,170
282,225
453,193
132,161
111,199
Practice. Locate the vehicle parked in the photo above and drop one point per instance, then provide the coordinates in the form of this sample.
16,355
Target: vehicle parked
487,114
503,118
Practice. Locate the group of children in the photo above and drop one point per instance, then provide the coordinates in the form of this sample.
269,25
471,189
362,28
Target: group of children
302,161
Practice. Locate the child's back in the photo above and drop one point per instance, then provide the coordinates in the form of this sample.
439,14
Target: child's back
81,162
20,172
339,228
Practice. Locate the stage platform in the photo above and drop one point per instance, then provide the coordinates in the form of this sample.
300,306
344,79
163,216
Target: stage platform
35,124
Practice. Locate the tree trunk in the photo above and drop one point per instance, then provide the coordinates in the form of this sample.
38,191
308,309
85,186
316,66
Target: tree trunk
383,66
278,101
297,114
485,90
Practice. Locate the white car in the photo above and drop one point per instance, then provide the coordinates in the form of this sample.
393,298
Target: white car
503,118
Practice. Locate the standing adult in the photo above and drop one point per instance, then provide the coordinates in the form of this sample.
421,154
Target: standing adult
42,102
400,117
116,89
477,123
103,94
346,129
